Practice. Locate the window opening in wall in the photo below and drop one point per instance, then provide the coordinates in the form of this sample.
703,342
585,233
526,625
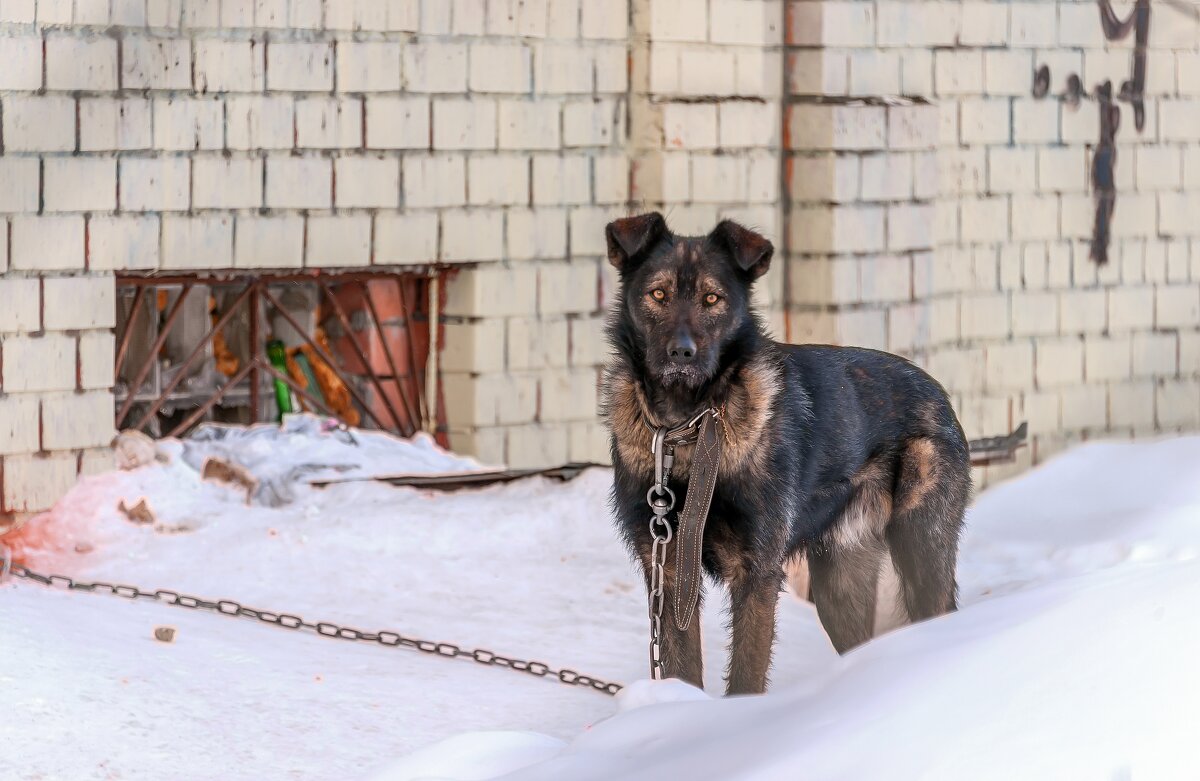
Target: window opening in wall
245,348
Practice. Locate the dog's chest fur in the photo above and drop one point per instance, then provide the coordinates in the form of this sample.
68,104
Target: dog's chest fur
747,407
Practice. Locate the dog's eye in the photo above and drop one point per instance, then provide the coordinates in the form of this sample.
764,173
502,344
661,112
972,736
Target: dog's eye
658,294
711,299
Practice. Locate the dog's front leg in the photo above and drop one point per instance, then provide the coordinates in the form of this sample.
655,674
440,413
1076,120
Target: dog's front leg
680,649
752,602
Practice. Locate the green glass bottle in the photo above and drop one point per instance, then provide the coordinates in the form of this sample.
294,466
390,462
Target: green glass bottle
277,355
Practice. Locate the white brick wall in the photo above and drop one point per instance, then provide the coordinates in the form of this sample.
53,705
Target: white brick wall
951,225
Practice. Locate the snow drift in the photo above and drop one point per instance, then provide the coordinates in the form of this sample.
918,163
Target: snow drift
1072,655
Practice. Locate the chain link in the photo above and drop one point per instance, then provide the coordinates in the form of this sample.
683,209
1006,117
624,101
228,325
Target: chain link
661,499
229,607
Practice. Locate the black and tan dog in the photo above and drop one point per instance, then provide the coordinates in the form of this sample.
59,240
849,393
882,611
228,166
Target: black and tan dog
850,457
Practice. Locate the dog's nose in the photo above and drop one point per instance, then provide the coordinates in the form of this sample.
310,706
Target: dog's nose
682,349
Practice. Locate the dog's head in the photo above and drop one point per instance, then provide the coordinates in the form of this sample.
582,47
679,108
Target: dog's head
686,299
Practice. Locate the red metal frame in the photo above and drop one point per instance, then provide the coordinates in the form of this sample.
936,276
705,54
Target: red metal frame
403,420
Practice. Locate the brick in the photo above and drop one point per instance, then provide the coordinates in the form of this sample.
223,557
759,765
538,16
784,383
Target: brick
1009,366
1035,121
984,121
1177,403
912,127
367,182
839,127
1008,72
127,242
1011,169
107,124
958,72
338,240
38,123
925,24
21,189
1059,362
18,11
499,180
837,229
592,122
156,63
197,242
22,310
1035,217
610,179
47,243
472,292
559,68
984,219
478,347
536,233
707,71
20,61
1034,313
259,122
155,184
500,68
398,123
1108,358
368,66
269,242
227,183
569,395
1176,306
744,124
819,72
874,72
434,181
604,19
54,356
885,177
690,126
1083,311
329,123
612,68
435,67
1158,168
79,184
472,235
81,63
1155,354
77,420
524,18
1180,120
19,423
529,125
272,14
186,124
36,482
464,124
536,344
299,183
568,287
560,180
299,67
78,303
229,66
406,238
1033,24
1062,169
984,316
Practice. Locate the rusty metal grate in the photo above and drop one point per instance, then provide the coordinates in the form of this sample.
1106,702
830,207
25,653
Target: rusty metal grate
191,346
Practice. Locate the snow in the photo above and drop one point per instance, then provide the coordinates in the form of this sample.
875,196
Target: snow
1072,655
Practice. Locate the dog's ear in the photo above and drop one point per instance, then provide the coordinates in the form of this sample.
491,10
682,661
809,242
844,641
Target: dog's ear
751,251
629,238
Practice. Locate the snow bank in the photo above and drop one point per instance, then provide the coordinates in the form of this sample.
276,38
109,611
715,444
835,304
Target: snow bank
1072,656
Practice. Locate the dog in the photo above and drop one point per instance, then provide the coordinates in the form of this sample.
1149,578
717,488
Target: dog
850,460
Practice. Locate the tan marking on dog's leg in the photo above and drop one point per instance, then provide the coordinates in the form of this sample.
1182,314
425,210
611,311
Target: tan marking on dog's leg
889,601
752,603
796,572
919,473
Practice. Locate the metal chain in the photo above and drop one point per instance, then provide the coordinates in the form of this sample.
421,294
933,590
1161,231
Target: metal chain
229,607
661,499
